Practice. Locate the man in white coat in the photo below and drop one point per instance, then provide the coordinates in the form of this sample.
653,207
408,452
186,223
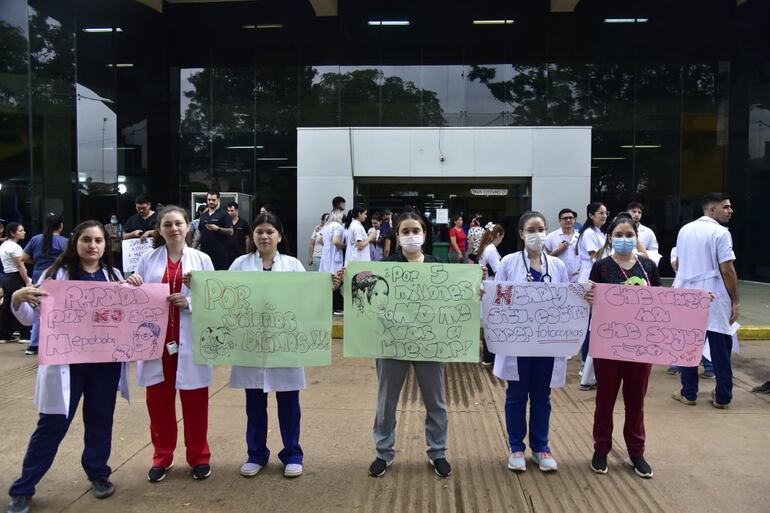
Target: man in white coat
645,234
705,254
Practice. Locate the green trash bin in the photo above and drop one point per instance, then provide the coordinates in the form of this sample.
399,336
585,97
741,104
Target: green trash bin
441,251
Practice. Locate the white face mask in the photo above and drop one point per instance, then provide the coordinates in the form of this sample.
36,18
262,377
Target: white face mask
411,243
535,241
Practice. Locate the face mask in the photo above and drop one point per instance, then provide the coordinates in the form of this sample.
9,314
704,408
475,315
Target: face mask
114,221
411,243
624,245
535,241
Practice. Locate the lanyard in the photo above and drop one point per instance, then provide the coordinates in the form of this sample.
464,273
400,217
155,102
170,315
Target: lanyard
627,277
173,314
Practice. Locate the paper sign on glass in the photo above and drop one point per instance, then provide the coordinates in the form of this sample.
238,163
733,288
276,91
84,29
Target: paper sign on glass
409,311
261,319
133,249
94,322
534,319
649,324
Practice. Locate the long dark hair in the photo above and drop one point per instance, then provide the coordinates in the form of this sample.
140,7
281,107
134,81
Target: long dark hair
591,208
410,214
159,240
51,223
353,213
275,222
622,218
69,260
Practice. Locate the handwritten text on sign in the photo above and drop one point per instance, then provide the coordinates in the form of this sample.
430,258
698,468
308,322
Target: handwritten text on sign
92,322
534,319
133,249
260,319
649,324
412,311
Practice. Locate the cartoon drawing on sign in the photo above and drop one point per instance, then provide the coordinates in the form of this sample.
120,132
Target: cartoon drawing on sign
146,337
216,342
122,353
370,295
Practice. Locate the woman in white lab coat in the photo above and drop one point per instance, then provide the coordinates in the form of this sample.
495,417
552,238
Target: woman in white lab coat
333,255
59,387
171,262
357,239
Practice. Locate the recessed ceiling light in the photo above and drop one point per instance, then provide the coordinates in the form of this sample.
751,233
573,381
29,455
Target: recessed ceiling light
244,147
121,65
641,146
389,23
625,20
608,158
99,30
273,158
263,26
493,22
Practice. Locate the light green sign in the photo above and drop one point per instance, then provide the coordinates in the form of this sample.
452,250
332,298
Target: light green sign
261,319
409,311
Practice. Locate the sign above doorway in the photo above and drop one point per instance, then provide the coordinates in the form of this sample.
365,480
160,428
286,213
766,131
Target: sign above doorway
489,192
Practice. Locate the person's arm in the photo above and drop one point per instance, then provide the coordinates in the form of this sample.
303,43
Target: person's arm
361,244
128,233
312,247
337,239
559,249
730,277
494,260
26,258
453,243
386,247
149,233
640,249
18,260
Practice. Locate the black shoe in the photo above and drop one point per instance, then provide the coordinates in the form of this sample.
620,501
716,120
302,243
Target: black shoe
19,504
599,463
158,474
201,471
378,467
103,488
641,467
441,467
764,388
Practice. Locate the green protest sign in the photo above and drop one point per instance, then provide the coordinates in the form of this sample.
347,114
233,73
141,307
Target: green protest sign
407,311
259,319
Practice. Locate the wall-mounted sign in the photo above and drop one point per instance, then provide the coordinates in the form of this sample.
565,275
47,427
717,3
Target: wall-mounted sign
489,192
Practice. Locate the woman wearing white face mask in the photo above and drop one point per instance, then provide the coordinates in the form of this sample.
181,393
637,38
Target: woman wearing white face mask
391,374
530,379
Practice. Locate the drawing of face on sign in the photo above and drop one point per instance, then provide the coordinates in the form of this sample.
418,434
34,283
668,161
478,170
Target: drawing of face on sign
122,353
370,294
216,342
146,338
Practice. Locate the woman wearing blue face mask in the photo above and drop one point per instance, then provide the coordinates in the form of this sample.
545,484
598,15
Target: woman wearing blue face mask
622,267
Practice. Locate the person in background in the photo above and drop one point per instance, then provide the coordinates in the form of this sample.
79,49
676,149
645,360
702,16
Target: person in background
375,247
115,233
333,257
457,241
705,253
317,244
490,259
194,235
216,229
59,388
338,203
387,236
562,243
357,239
15,277
475,233
267,208
239,240
142,224
41,251
646,235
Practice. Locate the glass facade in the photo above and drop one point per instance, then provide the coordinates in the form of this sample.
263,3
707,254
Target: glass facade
172,101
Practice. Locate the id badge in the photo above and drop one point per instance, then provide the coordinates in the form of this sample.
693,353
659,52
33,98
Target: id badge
172,347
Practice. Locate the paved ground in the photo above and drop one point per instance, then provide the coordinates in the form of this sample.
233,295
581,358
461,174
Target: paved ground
704,459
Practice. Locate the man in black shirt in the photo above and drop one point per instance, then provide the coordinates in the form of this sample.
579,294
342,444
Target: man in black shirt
142,224
216,228
240,238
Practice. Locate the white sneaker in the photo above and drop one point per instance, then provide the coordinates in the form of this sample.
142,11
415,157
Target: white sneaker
292,470
250,469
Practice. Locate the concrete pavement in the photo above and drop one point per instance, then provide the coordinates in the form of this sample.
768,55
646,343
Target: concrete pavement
704,459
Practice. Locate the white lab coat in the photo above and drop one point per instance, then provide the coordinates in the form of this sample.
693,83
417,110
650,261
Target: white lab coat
357,233
647,238
332,258
272,379
701,246
568,256
593,240
513,268
52,389
491,257
189,375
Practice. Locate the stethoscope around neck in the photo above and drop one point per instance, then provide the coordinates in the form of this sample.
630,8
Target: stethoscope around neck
545,275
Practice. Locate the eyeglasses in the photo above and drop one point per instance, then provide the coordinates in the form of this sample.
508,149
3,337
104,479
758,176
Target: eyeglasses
567,218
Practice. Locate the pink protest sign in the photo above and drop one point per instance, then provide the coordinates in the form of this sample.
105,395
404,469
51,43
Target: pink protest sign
649,324
92,322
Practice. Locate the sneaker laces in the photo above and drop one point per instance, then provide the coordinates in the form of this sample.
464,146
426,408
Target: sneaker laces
546,454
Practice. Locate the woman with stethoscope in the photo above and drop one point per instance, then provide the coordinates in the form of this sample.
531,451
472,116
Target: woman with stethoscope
530,377
171,263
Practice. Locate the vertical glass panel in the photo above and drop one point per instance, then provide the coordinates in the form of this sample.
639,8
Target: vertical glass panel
403,96
444,98
568,95
360,101
195,121
319,95
486,95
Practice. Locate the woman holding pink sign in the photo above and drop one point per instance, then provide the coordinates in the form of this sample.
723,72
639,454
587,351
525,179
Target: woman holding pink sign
623,267
171,262
58,390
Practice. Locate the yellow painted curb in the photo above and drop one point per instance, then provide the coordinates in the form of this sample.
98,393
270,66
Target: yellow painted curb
754,333
337,330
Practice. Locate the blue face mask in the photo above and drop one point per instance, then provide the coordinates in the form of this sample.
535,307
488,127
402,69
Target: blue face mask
624,245
114,221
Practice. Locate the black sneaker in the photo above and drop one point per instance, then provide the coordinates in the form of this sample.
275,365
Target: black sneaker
764,388
641,467
441,467
201,471
103,488
19,504
158,474
378,467
599,463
